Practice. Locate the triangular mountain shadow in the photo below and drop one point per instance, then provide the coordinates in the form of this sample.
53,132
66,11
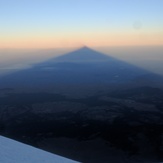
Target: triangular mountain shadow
83,54
83,66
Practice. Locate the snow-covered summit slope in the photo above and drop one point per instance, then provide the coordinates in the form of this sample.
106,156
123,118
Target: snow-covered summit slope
14,152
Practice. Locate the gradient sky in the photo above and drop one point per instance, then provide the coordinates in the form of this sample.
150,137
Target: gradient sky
70,23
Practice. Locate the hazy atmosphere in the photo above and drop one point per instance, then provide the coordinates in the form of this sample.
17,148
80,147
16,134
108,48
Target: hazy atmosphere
32,31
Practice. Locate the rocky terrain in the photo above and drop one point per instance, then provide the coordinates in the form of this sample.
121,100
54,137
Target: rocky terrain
130,121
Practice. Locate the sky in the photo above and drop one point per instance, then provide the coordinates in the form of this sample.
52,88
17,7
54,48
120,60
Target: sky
74,23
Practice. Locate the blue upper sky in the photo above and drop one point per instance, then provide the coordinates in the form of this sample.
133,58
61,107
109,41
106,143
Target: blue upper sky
73,22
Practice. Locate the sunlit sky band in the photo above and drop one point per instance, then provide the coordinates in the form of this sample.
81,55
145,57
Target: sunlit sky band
71,23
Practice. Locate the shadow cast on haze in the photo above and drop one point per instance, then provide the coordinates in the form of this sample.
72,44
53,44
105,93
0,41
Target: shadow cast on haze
84,67
87,106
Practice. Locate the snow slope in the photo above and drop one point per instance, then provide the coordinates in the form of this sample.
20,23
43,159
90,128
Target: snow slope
14,152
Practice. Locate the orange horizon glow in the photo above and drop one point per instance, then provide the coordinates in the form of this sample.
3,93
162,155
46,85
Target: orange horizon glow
76,40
